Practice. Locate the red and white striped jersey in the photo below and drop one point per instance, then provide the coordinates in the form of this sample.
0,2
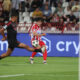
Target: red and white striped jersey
37,29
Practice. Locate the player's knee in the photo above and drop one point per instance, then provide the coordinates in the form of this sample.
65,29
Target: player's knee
22,45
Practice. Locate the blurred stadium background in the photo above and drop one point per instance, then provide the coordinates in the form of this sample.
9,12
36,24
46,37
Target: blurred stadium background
56,13
61,22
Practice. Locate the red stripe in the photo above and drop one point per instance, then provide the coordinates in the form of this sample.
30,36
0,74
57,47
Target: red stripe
8,23
30,28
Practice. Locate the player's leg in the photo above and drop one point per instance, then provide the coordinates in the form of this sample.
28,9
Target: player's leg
45,56
33,54
32,57
43,46
22,45
8,53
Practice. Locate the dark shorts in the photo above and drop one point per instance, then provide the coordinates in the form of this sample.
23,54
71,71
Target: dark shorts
13,44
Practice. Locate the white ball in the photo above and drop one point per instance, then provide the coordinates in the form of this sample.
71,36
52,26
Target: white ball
35,43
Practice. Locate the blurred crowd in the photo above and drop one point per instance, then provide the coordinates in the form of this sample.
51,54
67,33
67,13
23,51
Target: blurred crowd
62,14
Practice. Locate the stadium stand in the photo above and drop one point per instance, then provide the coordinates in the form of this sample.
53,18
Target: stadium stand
58,15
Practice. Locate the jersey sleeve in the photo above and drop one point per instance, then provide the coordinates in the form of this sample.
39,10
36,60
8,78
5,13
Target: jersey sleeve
34,28
5,27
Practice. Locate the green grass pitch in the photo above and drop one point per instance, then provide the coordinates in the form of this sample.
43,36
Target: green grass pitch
58,68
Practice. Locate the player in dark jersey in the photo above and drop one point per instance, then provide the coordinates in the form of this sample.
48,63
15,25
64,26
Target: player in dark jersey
11,37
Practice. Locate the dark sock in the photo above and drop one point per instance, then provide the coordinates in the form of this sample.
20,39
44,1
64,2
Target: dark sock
37,50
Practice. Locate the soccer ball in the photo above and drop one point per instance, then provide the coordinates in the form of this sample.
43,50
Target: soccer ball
35,43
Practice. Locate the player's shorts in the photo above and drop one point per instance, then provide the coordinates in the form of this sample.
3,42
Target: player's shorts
13,44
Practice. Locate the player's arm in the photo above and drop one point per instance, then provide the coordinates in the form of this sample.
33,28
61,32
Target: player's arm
3,29
2,32
36,34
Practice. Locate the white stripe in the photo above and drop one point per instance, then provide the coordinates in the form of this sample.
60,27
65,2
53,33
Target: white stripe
12,75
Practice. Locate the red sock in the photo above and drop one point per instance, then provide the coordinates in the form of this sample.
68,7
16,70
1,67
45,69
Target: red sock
33,54
45,55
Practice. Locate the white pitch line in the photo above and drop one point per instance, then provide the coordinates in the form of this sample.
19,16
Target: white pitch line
3,76
16,75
